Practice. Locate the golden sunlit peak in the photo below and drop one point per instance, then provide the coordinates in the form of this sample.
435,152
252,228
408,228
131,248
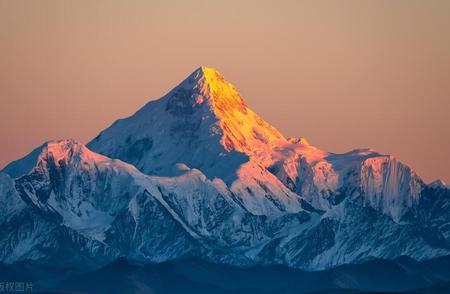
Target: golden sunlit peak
209,76
211,85
241,128
212,73
207,70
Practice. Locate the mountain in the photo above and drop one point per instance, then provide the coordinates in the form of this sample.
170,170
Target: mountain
194,275
205,124
438,184
197,174
108,208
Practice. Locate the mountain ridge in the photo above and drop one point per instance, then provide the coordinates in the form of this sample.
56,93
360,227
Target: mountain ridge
401,275
224,139
196,173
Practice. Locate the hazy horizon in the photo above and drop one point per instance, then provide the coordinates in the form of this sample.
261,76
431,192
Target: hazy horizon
343,74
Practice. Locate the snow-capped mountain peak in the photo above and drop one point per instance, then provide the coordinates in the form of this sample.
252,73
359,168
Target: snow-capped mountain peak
57,151
242,129
203,123
67,150
198,173
208,81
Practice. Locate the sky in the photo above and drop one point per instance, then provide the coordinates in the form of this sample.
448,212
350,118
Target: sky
343,74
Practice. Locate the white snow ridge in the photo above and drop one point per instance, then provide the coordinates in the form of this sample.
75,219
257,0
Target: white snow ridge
198,173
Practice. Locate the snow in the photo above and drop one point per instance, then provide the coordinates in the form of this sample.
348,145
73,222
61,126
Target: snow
10,201
225,183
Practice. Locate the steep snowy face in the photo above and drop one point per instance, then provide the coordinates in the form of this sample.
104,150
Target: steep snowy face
106,207
66,206
57,151
203,123
209,178
243,130
389,185
325,178
10,201
81,188
77,202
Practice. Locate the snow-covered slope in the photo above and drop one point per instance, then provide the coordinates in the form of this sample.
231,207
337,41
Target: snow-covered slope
75,200
197,173
203,123
113,209
324,178
10,202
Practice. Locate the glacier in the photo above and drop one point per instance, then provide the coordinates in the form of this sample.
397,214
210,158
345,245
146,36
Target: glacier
197,173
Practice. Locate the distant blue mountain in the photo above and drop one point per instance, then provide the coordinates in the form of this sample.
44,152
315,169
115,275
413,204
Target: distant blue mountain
198,276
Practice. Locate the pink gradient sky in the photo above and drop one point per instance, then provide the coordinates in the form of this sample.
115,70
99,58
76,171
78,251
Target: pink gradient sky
343,74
